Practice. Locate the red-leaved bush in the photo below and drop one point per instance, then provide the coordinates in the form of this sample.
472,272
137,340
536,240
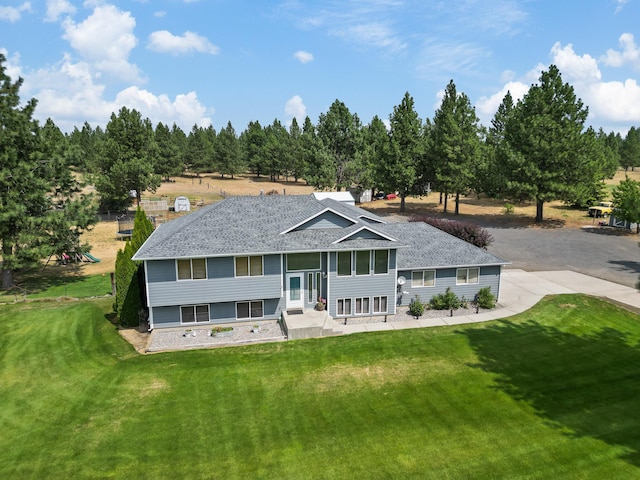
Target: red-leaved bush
469,232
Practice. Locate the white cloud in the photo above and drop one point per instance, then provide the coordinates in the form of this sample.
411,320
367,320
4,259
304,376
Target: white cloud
486,107
612,104
57,8
630,53
160,14
296,108
445,60
186,110
371,34
164,41
303,57
620,4
575,68
13,14
105,39
71,93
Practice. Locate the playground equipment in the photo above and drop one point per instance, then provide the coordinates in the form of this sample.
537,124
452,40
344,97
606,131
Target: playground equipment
125,226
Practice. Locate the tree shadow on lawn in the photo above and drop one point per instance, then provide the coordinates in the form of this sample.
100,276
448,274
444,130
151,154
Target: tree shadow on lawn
588,384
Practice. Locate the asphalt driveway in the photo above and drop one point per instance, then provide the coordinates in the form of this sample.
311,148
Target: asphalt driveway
599,252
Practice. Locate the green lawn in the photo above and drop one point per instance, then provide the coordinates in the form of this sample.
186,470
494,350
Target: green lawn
48,285
552,393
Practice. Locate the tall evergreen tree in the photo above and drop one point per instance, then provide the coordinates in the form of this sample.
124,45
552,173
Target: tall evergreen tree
630,149
228,156
456,144
252,142
128,157
404,150
170,142
41,211
319,170
547,148
339,131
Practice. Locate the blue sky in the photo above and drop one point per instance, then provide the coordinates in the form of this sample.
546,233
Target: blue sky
214,61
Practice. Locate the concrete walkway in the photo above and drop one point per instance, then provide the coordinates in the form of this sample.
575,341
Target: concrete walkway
519,291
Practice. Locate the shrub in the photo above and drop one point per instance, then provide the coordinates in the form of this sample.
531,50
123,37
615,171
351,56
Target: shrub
485,299
508,209
469,232
416,307
445,301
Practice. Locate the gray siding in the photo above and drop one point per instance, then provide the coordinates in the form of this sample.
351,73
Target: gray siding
357,286
220,286
489,277
225,312
326,220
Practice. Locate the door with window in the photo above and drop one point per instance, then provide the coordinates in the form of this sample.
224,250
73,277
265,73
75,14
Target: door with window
295,290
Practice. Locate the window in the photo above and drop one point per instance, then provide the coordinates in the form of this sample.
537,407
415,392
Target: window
467,275
380,261
310,298
362,305
363,262
344,307
194,313
303,261
245,310
249,266
423,278
319,284
380,304
192,269
344,264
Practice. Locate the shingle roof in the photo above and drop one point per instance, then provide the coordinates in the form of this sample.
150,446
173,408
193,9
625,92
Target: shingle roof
244,225
254,225
431,247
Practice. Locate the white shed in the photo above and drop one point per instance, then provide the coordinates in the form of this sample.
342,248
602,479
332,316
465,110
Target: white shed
344,197
182,204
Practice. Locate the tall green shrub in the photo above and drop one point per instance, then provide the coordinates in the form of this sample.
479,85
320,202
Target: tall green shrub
129,273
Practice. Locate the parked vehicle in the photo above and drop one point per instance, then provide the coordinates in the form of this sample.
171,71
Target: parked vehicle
379,196
603,209
391,196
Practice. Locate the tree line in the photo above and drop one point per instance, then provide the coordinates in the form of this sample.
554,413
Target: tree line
536,149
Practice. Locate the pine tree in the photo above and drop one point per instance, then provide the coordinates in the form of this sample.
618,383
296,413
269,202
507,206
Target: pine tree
41,210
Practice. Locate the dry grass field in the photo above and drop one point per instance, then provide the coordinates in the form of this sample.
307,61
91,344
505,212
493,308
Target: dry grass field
210,188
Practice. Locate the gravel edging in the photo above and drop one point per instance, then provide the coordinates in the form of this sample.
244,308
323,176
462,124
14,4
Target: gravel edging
242,334
402,315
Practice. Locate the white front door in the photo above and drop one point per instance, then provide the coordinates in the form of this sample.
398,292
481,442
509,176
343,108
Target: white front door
295,290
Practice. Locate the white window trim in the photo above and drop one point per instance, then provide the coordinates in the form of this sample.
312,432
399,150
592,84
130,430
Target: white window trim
206,270
250,317
373,303
350,265
346,314
248,257
304,269
362,299
356,263
423,282
467,280
373,255
195,322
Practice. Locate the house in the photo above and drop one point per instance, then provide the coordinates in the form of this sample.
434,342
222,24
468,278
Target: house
250,258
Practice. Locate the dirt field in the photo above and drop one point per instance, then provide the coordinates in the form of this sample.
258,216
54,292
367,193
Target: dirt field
209,188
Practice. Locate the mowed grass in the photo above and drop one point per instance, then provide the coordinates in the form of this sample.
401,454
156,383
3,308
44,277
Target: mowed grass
552,393
53,285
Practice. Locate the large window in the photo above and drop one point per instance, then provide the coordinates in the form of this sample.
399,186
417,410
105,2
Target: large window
343,307
194,313
192,269
363,262
380,304
362,306
381,261
303,261
423,278
344,264
249,266
247,310
467,276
